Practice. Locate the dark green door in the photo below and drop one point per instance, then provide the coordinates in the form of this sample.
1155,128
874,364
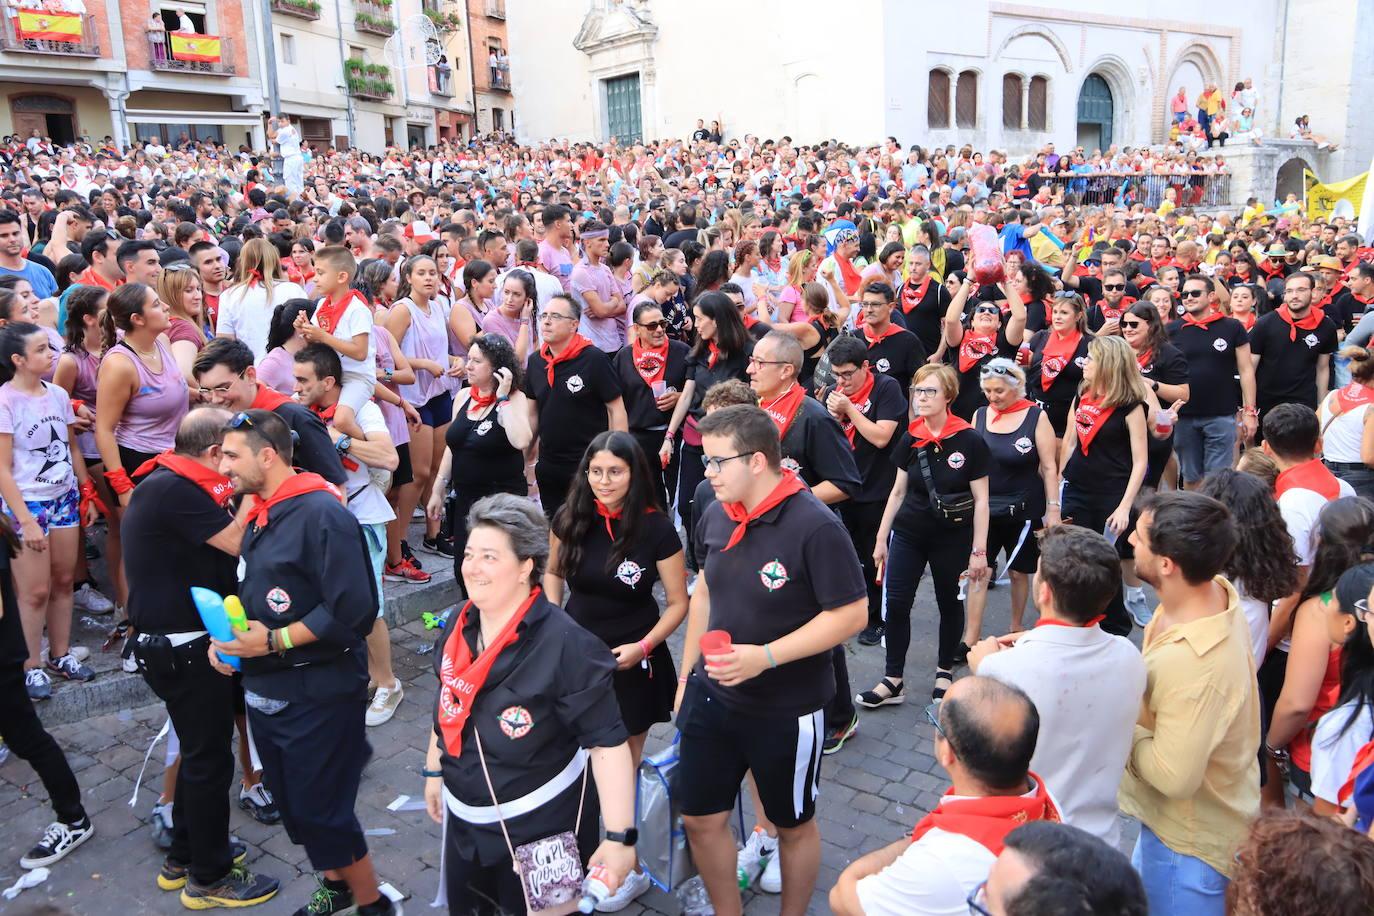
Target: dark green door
1095,110
623,118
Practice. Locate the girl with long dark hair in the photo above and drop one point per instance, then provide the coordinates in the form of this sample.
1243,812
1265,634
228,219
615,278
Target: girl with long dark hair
277,369
1056,358
1340,733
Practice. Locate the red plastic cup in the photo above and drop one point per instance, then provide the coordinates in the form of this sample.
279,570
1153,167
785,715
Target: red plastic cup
715,642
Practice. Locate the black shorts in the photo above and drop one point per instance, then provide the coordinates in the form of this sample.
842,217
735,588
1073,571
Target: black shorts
437,411
1004,532
404,473
720,745
131,459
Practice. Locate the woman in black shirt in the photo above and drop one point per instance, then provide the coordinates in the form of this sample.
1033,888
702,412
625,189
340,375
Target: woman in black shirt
486,439
947,531
970,342
611,543
1056,358
1104,455
525,704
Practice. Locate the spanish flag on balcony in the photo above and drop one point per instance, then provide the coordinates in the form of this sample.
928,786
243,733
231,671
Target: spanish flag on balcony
204,49
41,25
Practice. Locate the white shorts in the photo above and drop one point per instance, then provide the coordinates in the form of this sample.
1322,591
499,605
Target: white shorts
357,390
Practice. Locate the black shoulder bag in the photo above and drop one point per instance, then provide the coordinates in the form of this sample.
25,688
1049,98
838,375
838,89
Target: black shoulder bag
954,509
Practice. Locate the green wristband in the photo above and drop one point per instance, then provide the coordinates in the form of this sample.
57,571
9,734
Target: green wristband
768,650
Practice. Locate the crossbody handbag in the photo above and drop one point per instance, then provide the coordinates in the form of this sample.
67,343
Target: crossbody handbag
550,869
955,509
1005,505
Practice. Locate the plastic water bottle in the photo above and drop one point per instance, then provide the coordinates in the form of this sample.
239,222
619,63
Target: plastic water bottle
597,887
693,899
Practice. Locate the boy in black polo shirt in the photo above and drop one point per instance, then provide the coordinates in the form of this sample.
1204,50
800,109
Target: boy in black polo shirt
892,350
1292,346
782,578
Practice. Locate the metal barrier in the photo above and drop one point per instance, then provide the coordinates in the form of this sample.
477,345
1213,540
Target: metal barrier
1195,189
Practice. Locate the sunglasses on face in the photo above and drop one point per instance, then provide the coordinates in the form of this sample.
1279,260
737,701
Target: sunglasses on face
1193,293
1133,324
987,310
659,325
1113,287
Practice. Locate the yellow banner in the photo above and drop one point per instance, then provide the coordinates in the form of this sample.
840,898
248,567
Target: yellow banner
1322,199
189,46
41,25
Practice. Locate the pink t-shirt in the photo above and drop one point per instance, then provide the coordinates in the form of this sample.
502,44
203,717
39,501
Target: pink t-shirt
791,295
277,370
557,262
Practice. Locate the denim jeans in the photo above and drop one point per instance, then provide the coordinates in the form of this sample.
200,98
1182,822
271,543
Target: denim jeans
1175,884
1204,445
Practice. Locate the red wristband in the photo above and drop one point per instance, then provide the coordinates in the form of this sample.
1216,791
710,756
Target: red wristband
89,495
77,404
119,481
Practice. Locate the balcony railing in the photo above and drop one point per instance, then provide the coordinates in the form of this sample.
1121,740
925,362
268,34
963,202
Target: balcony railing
441,81
162,57
1196,189
500,78
496,9
86,45
373,17
305,9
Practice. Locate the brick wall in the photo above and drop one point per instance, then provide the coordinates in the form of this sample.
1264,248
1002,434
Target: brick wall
483,28
228,24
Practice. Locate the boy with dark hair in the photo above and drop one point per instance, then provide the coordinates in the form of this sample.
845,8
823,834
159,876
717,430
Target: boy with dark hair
343,322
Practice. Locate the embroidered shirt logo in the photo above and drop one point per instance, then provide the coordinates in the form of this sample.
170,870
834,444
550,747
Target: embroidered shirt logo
515,722
884,364
1219,345
484,427
629,572
574,383
955,460
1024,445
278,600
773,575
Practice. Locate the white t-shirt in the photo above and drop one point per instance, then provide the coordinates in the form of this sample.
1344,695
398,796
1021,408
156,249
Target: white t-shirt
932,877
1300,508
1342,436
42,457
1257,618
289,140
1333,753
369,506
245,313
356,319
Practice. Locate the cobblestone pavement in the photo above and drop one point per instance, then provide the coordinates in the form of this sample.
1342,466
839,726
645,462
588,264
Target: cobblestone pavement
872,792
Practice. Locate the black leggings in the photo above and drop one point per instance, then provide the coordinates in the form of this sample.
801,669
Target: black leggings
24,734
863,521
691,474
1091,511
946,550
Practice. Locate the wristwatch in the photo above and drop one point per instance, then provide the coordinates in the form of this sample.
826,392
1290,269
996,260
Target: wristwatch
624,837
343,445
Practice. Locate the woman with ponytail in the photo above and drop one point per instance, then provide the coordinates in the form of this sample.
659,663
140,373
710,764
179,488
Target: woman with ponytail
818,330
260,285
277,370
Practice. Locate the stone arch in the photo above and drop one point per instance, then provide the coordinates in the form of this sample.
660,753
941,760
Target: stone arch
1119,79
1288,178
1204,58
1038,31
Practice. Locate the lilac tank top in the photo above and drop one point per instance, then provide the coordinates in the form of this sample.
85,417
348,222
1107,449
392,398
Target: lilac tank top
83,389
426,338
395,417
153,414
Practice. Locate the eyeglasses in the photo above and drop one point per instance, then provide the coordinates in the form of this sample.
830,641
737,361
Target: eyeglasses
933,715
1362,610
924,392
615,473
713,465
549,316
659,325
240,418
755,361
1113,287
844,376
112,234
977,899
1193,293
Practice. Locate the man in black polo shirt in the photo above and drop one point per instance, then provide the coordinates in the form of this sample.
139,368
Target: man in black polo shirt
923,300
653,371
311,600
179,535
1218,351
227,377
574,396
782,579
1292,348
892,350
870,407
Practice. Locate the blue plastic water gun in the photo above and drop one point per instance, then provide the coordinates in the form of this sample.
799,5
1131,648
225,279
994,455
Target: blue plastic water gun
222,617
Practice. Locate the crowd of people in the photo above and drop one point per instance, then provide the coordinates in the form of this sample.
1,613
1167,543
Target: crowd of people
775,383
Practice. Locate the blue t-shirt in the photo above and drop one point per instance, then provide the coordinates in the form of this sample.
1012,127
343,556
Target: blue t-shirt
39,277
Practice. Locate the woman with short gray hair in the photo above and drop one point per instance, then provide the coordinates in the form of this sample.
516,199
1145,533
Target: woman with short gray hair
525,703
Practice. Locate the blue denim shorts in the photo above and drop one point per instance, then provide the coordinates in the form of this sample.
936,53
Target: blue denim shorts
62,512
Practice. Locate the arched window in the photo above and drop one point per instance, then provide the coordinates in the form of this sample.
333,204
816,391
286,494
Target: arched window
966,100
937,102
1038,109
1011,101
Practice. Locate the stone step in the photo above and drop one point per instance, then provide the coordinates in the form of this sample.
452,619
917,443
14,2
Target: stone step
114,689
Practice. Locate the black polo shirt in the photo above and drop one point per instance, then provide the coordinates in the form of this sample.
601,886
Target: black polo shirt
165,531
1287,371
704,375
546,696
887,401
954,463
922,310
615,601
314,451
639,397
572,411
1210,353
898,355
793,563
815,447
1106,468
310,563
1056,399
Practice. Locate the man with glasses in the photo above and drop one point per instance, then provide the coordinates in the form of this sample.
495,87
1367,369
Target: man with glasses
1109,259
985,734
100,249
653,371
1217,349
227,377
1292,348
1054,868
574,395
892,350
782,580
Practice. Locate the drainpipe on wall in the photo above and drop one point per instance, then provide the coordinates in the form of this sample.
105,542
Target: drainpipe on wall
269,57
472,78
343,69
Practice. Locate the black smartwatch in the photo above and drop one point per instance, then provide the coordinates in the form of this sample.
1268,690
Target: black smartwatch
626,838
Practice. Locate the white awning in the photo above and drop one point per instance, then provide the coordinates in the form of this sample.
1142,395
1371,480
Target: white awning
225,118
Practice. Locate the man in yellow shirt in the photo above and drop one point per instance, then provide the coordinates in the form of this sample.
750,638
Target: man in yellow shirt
1192,778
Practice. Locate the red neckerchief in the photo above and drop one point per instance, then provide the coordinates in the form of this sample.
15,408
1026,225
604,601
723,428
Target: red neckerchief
783,408
1310,475
1089,419
293,486
848,275
608,516
1308,323
328,313
1056,355
1109,313
860,402
1092,622
790,485
651,363
255,279
212,482
326,415
913,296
574,347
91,277
268,398
923,436
1354,395
1020,405
974,347
477,401
749,321
460,677
774,264
1144,360
714,354
1209,318
892,330
1246,319
988,820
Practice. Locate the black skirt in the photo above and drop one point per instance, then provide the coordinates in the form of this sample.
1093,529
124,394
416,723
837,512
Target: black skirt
646,694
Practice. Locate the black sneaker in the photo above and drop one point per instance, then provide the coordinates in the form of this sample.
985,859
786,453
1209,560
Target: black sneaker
173,875
237,889
961,655
836,739
871,635
58,840
439,546
258,802
382,906
408,554
330,897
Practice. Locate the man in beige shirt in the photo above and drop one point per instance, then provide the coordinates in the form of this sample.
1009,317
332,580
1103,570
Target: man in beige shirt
1193,775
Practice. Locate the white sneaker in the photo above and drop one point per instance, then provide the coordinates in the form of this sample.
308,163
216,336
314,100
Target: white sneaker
770,882
80,653
1137,606
636,883
384,703
752,861
88,599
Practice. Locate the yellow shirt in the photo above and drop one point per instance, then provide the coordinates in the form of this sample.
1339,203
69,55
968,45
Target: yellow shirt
1045,251
1193,773
1210,102
1166,207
